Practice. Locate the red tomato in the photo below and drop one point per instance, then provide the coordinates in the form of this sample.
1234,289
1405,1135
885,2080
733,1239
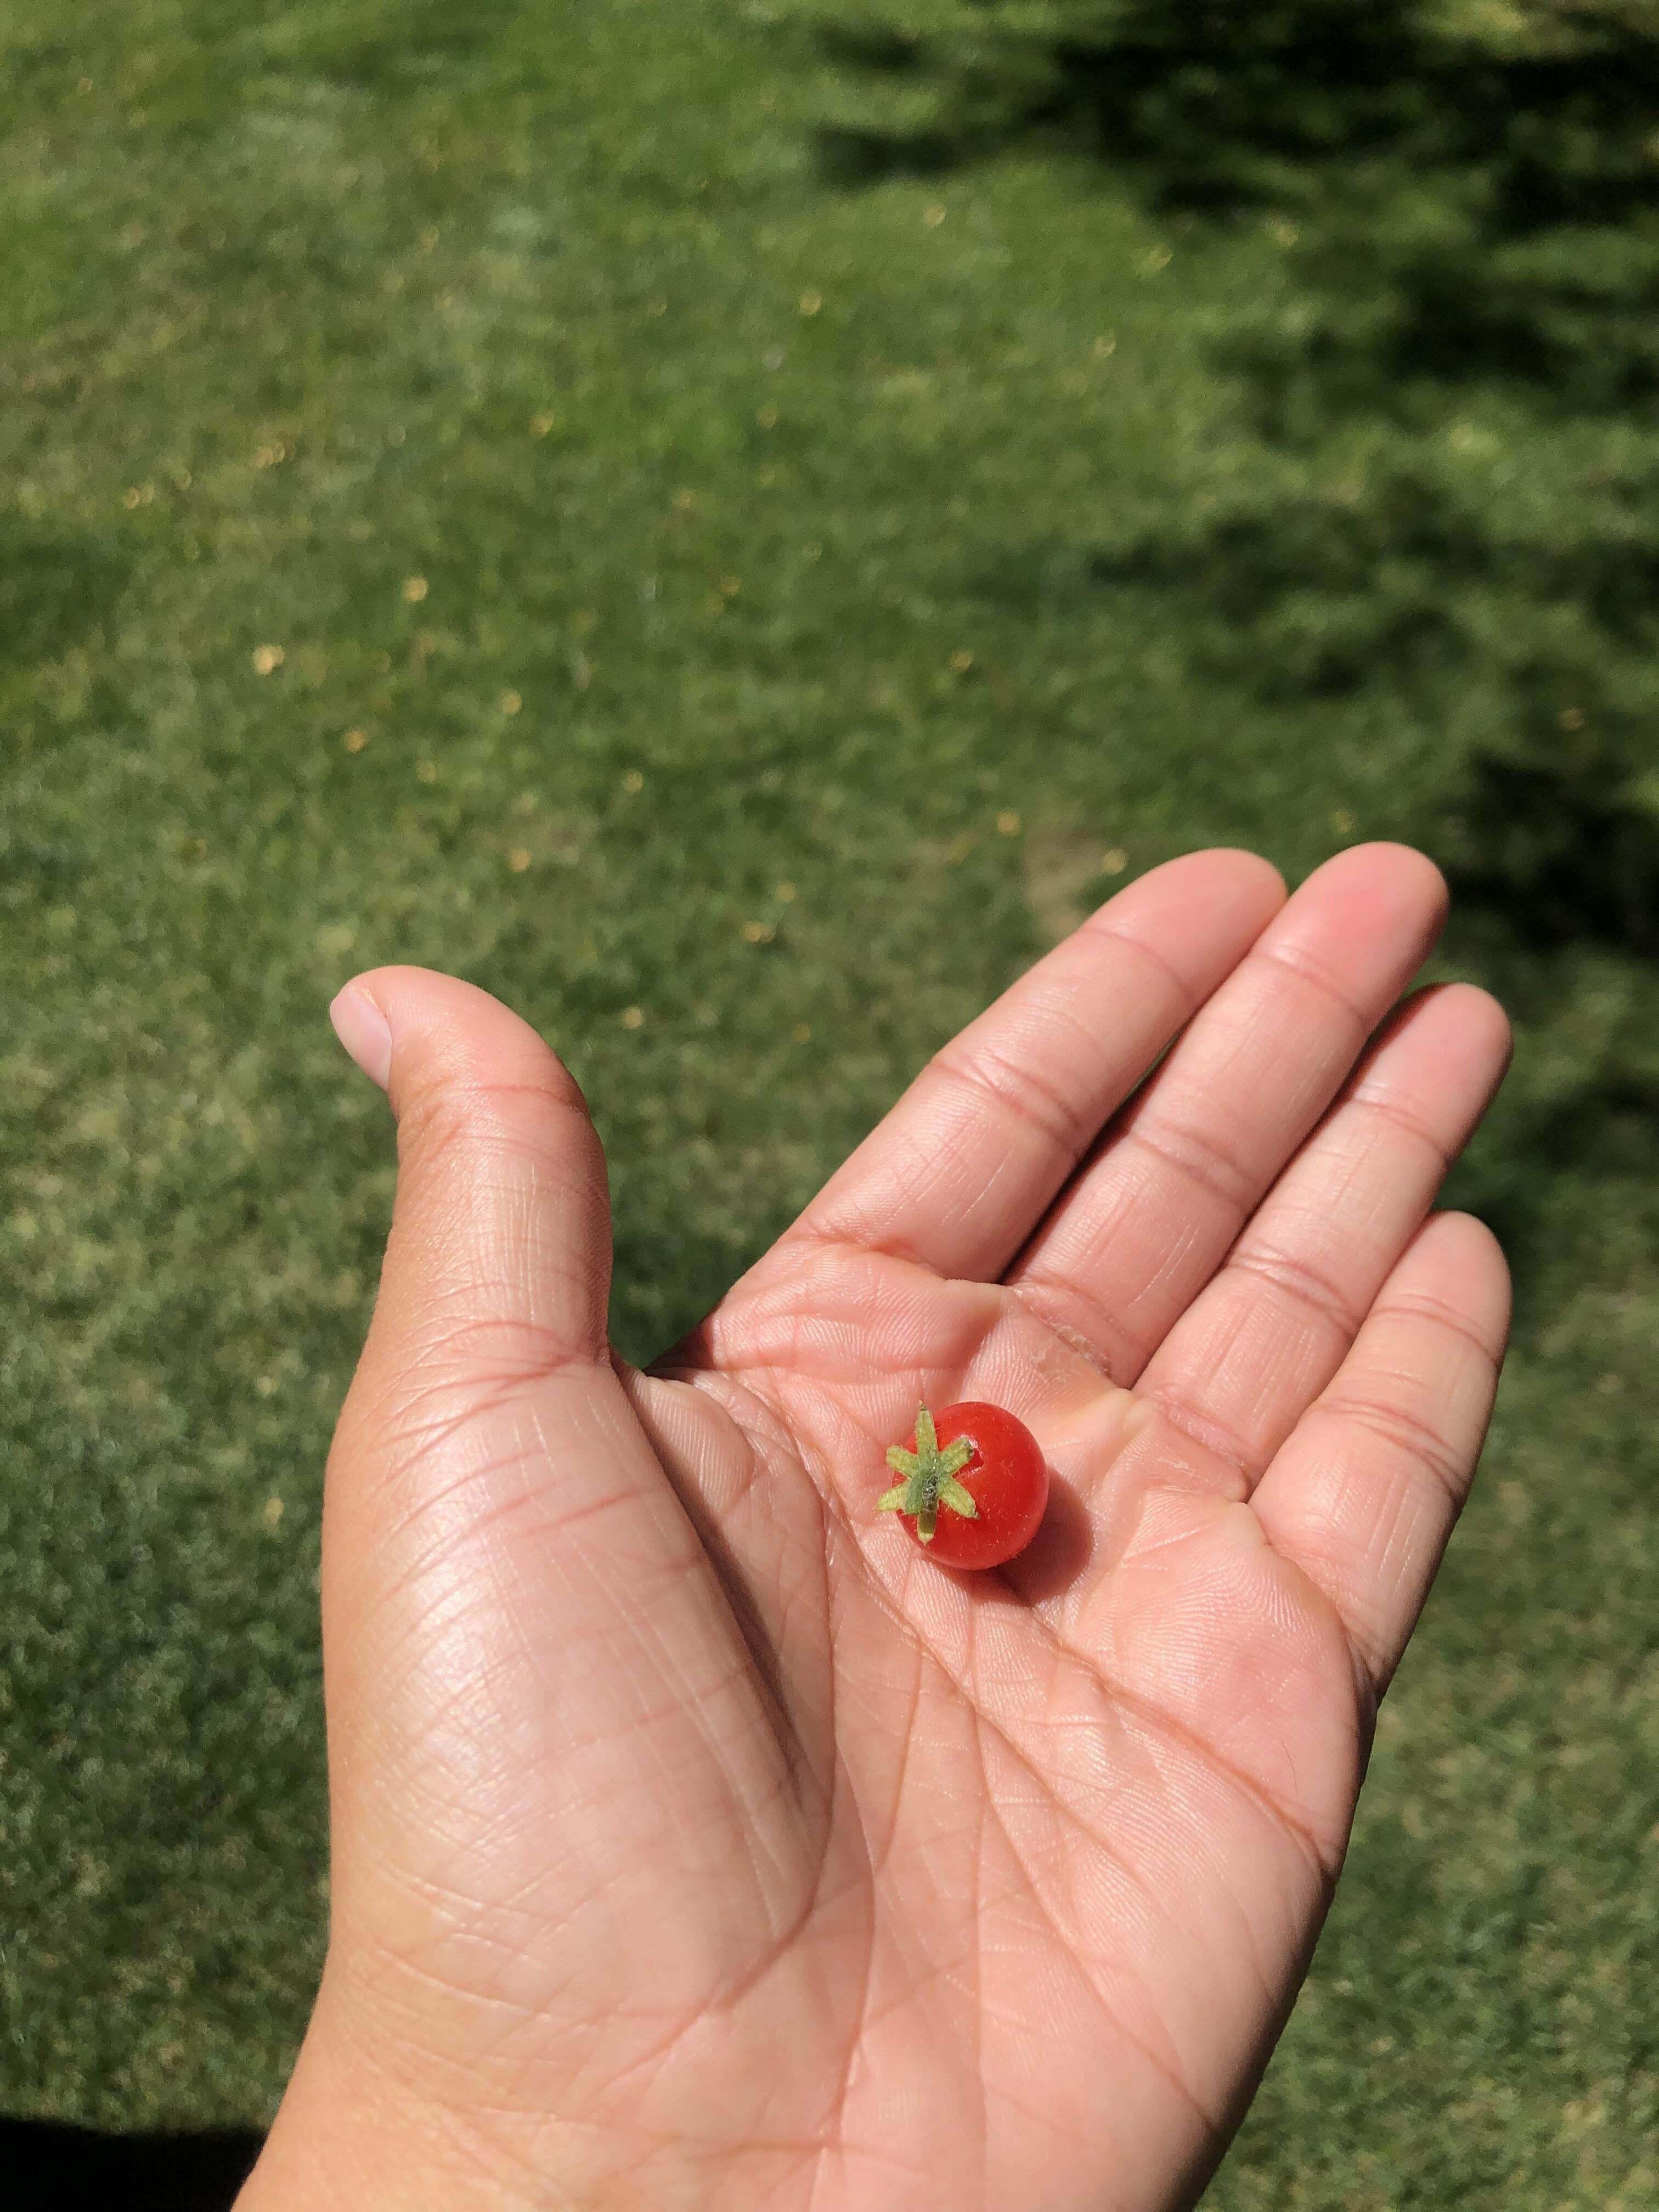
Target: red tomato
1004,1474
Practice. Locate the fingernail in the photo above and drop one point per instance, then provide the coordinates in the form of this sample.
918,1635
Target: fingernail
362,1029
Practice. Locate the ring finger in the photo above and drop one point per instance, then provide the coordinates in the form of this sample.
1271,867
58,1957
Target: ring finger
1264,1338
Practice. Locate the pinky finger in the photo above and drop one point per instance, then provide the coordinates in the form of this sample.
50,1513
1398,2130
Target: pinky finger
1363,1495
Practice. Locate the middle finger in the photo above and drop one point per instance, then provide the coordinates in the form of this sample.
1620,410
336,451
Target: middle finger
1152,1212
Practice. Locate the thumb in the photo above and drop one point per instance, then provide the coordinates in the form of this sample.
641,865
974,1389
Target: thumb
497,1267
488,1339
493,1516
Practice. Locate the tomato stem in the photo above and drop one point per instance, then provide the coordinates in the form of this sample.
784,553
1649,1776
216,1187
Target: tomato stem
929,1478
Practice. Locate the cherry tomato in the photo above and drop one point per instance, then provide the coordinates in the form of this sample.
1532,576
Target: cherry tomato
973,1485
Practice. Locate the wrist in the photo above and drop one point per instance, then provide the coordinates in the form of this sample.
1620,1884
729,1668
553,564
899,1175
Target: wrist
346,2138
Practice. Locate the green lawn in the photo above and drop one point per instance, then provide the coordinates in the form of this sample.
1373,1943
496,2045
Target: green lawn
733,530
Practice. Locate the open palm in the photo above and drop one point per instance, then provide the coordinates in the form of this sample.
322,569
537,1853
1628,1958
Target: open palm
700,1841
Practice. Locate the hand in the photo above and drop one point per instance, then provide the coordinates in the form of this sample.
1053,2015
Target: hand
699,1842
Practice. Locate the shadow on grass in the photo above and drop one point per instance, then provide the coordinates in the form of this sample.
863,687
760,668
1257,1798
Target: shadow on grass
1469,216
1318,109
54,587
138,2173
1562,849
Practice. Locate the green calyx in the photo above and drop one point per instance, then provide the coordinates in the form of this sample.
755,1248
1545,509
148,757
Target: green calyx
929,1479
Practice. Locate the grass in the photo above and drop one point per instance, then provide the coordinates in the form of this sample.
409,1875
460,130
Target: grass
733,534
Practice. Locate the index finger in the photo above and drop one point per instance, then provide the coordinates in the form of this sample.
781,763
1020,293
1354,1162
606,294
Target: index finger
958,1174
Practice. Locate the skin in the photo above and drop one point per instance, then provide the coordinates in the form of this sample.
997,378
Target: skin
697,1842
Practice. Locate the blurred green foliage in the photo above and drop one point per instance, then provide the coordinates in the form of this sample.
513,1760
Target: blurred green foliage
732,528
